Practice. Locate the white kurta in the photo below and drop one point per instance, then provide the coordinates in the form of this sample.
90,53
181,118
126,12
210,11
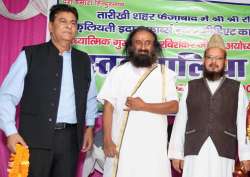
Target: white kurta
144,146
208,163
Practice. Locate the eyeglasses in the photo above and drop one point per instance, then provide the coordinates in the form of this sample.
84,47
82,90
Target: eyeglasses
214,58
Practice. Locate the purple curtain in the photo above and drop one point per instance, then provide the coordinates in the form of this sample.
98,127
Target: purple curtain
15,35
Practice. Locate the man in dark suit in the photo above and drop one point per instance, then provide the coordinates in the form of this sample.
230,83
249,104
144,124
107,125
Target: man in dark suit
55,87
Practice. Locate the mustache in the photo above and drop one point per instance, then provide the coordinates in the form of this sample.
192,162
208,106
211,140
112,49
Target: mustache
213,65
143,51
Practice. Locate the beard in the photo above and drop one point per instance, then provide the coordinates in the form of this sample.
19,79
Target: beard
213,75
142,58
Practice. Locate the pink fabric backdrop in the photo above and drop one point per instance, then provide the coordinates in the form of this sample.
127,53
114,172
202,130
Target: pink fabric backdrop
14,35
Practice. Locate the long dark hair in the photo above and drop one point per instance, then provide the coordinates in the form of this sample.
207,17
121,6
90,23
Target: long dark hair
128,43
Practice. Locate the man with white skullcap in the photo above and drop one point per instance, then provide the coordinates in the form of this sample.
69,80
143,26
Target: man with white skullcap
210,127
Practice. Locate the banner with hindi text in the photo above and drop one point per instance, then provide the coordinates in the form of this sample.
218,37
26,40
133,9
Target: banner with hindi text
183,28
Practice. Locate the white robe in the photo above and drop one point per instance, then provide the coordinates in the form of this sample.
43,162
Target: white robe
144,146
208,163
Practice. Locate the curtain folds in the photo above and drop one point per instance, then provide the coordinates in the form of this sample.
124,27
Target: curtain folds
33,8
15,35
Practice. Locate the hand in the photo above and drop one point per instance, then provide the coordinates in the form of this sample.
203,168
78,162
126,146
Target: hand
246,165
136,104
14,139
110,148
178,165
88,140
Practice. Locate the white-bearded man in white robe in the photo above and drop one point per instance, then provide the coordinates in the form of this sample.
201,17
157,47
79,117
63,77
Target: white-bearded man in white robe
210,127
138,147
